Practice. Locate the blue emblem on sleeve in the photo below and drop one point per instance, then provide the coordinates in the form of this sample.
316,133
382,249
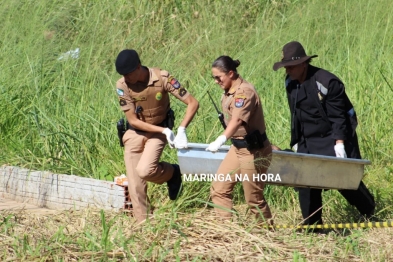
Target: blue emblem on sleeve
173,81
239,102
120,92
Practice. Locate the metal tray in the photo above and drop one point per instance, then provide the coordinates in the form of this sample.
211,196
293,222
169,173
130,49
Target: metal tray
292,169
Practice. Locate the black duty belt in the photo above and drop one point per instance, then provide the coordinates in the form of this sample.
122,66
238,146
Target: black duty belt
255,140
239,143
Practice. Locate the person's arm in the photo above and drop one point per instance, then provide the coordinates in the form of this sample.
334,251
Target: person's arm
181,140
172,85
232,127
192,108
242,105
295,125
335,110
140,125
136,123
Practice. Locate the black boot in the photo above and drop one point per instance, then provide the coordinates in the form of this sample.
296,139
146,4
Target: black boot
174,184
370,217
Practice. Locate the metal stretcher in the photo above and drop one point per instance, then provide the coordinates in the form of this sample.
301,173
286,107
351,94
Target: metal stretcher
292,169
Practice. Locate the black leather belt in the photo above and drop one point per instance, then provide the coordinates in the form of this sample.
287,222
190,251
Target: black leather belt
239,143
250,141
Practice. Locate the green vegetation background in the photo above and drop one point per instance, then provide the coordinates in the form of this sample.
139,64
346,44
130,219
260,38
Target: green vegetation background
60,115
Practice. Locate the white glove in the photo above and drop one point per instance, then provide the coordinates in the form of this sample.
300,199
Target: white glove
181,138
170,137
214,146
340,150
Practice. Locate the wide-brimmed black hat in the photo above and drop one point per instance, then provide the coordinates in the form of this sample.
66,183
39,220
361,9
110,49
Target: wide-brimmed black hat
292,54
127,61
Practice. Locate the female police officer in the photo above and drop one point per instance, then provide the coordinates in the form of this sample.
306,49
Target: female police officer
250,154
143,96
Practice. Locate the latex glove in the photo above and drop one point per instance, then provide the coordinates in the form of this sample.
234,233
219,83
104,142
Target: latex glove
214,146
181,138
340,150
294,148
170,137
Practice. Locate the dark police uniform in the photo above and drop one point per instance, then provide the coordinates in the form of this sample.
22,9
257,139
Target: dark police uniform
316,127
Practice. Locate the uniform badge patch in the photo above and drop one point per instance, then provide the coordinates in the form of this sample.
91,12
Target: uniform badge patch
159,96
138,98
320,96
122,102
173,81
120,92
239,102
182,91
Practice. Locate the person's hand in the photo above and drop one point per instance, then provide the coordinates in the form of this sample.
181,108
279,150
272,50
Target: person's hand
214,146
340,150
181,138
294,148
170,137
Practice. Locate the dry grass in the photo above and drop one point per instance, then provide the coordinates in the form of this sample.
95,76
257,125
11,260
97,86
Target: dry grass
79,235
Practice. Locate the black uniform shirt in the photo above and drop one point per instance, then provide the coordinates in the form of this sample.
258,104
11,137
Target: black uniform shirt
307,121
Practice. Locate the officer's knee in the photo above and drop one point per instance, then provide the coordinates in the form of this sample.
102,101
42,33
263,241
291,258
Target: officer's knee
144,172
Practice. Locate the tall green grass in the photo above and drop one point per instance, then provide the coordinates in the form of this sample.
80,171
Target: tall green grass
61,115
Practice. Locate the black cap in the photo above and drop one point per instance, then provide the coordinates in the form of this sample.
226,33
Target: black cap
127,61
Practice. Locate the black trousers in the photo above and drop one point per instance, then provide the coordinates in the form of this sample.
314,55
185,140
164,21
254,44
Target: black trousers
311,198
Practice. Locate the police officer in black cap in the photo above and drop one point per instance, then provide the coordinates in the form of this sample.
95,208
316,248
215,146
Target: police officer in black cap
323,123
143,95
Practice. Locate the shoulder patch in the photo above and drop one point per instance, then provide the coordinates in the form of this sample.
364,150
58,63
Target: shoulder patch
239,102
182,92
173,81
120,92
122,102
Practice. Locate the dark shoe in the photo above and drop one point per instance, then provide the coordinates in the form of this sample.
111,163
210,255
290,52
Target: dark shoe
319,231
367,218
312,228
174,184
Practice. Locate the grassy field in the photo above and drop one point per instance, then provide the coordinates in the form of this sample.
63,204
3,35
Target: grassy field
60,114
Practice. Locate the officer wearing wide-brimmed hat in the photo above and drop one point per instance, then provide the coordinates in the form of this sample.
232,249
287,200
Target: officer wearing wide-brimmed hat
292,54
323,122
143,95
